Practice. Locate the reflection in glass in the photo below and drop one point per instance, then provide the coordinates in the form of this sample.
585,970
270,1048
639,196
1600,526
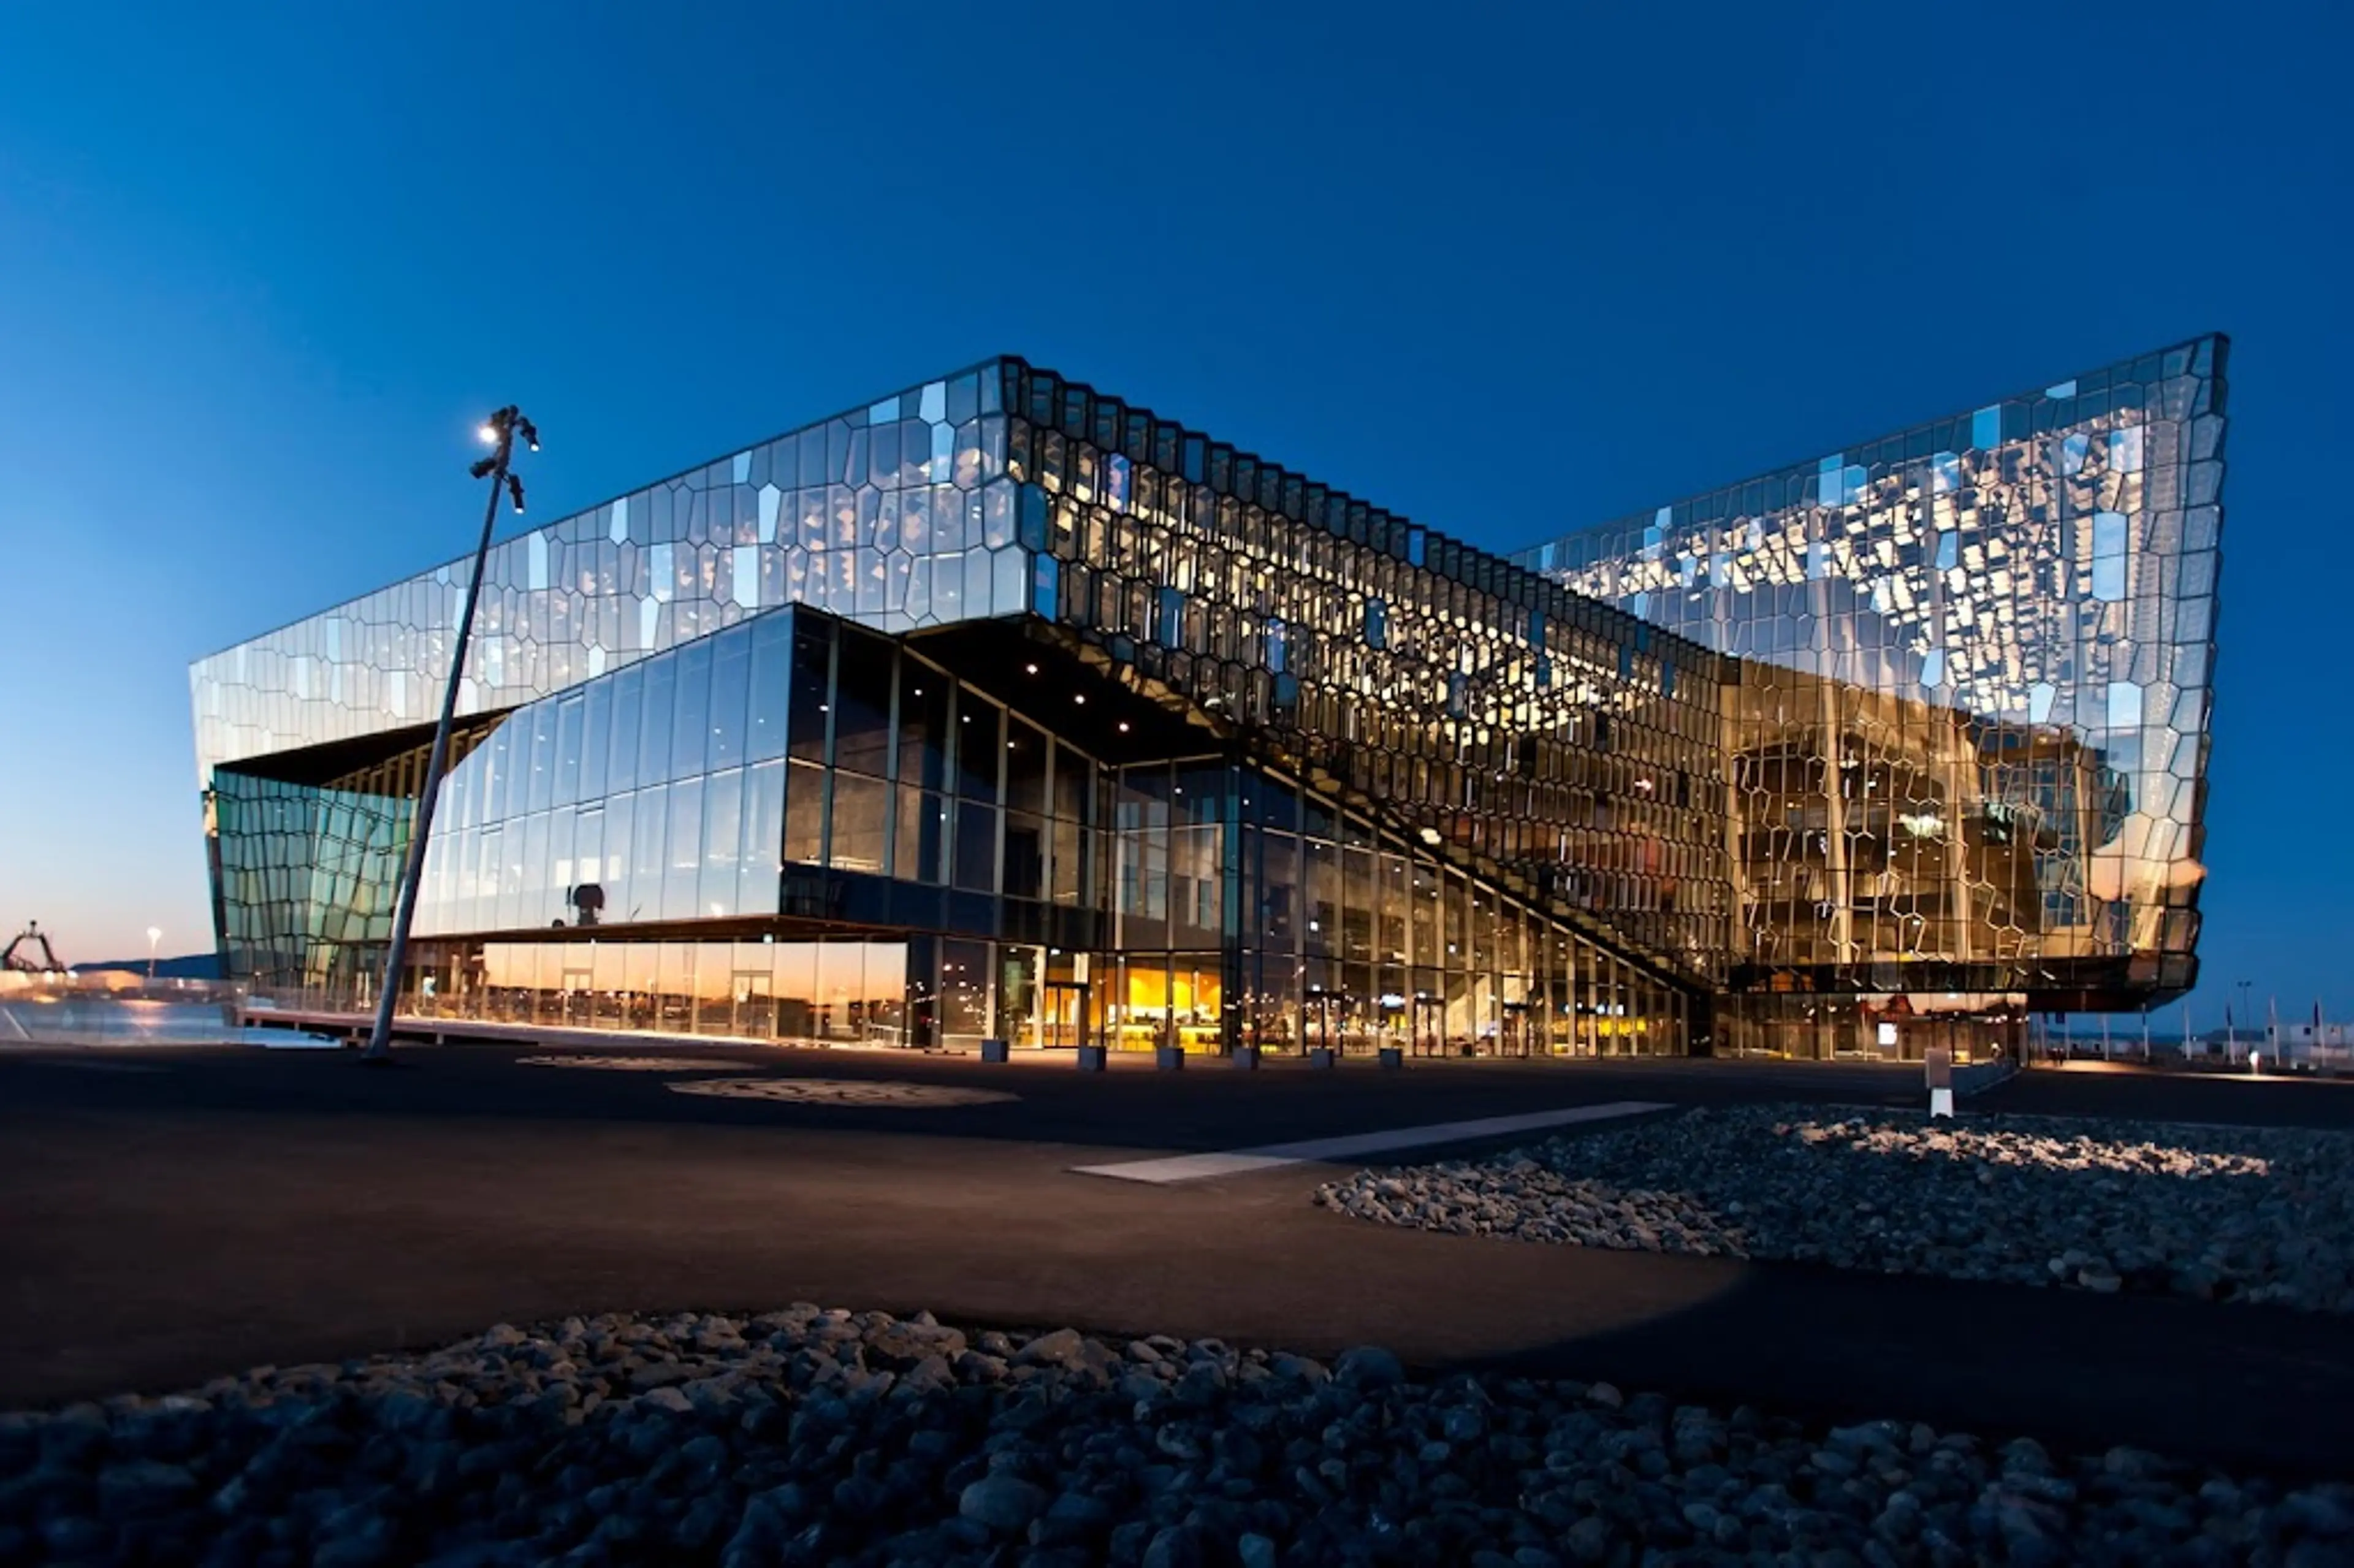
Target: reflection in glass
1885,707
861,819
805,802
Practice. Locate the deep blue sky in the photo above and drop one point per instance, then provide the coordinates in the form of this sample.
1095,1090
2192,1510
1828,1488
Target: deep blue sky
1505,268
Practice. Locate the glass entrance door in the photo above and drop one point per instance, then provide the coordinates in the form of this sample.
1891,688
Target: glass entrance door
1327,1021
578,995
1065,1022
1428,1014
753,1006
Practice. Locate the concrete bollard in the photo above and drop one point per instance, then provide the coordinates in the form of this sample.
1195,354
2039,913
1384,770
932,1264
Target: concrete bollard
1320,1058
995,1051
1169,1058
1391,1056
1246,1058
1091,1059
1937,1066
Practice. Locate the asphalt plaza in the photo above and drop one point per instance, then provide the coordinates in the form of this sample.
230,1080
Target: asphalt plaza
237,1207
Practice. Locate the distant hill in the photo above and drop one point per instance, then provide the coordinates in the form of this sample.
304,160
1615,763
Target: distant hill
191,965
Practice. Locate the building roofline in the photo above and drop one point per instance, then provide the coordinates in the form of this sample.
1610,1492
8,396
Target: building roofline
2222,341
525,532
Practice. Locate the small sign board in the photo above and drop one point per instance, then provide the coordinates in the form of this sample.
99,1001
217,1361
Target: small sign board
1937,1063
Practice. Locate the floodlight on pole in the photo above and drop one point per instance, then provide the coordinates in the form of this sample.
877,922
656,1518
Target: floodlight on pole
500,430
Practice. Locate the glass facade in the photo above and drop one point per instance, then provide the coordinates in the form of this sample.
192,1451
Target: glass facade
1003,708
1967,740
804,785
897,513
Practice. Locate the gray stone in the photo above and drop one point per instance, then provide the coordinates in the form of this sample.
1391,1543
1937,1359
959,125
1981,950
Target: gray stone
2028,1200
136,1484
976,1366
2320,1512
1061,1348
1003,1503
1177,1546
71,1537
1171,1455
1299,1369
1587,1540
1369,1366
907,1344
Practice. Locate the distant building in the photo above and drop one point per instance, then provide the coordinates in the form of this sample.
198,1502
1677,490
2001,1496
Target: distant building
1003,707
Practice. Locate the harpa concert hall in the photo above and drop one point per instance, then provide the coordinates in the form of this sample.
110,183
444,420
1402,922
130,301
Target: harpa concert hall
1000,707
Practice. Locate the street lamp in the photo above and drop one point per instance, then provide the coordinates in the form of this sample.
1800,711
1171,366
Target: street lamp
499,431
155,934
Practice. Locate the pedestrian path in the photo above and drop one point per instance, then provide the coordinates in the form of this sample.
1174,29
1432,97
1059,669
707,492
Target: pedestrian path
1357,1146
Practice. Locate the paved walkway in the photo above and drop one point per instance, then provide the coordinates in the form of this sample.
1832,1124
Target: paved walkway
165,1226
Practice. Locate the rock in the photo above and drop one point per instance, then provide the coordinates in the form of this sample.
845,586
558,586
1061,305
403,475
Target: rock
75,1436
73,1538
1080,1512
1463,1424
1587,1540
1061,1348
900,1345
1299,1369
2318,1552
1177,1546
2318,1512
370,1548
927,1376
1002,1503
817,1437
976,1366
137,1485
2026,1454
2028,1200
1368,1366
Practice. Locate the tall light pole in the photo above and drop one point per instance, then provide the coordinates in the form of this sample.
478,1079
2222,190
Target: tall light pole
500,430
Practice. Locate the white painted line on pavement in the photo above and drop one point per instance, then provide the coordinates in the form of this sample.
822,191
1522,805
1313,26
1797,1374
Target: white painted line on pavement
1234,1161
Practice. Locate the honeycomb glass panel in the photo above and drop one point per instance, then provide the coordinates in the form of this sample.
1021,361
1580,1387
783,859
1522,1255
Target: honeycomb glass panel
1000,673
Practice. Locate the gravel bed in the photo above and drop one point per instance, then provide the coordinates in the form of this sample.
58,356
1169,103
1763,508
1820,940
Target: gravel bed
2252,1214
810,1436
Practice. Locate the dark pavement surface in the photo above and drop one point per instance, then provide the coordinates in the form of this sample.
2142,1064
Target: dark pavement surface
170,1216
